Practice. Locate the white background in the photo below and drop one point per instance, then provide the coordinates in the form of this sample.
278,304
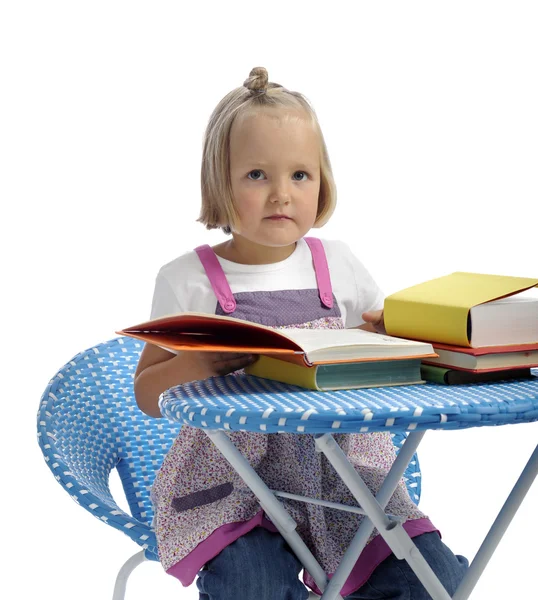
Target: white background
429,112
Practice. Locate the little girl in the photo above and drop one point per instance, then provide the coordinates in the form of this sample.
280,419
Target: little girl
267,180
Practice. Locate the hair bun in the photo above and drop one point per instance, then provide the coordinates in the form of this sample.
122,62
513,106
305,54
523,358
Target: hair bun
257,80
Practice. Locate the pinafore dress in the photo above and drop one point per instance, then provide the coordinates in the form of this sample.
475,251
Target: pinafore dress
201,503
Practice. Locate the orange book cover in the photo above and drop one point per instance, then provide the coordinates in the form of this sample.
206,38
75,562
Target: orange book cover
215,333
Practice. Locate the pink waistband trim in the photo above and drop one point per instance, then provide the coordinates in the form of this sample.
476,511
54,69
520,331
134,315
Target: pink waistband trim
186,569
372,556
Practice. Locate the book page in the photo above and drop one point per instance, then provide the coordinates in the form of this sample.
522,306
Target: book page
323,344
512,320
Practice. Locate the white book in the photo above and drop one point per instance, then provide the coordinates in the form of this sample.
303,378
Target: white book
508,321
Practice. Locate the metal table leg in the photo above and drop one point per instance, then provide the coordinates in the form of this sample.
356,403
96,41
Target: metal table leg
499,527
385,493
392,532
276,511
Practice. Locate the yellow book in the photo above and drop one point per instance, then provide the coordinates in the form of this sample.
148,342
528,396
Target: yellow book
286,372
339,376
443,309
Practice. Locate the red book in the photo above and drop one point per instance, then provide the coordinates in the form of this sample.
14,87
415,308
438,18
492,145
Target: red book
481,360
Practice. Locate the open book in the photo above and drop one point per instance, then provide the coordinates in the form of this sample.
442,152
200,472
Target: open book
214,333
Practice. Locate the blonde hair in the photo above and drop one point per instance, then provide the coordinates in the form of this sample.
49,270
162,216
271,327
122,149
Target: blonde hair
257,93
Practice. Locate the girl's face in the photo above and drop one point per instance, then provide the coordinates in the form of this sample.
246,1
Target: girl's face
275,176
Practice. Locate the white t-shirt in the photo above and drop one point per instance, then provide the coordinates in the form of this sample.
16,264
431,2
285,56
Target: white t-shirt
183,286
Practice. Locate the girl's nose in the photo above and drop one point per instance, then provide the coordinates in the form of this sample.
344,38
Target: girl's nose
280,193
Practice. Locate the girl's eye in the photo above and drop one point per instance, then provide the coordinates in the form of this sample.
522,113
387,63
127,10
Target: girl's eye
256,175
300,176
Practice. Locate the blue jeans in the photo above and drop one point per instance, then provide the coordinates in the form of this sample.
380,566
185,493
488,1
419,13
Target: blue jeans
261,566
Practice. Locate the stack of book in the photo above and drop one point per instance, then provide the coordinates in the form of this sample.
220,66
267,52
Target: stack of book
318,359
482,327
461,328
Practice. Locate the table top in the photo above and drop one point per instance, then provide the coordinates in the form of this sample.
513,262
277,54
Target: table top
248,403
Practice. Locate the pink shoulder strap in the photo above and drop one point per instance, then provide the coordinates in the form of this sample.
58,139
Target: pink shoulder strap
216,277
222,290
321,268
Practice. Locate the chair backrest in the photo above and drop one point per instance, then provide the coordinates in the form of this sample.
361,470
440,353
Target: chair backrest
89,423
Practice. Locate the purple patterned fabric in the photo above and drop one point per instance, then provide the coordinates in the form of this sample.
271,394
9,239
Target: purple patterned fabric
294,307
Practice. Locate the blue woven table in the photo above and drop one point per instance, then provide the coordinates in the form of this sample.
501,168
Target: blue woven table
247,403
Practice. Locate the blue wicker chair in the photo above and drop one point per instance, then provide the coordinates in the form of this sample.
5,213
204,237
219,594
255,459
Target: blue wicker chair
89,423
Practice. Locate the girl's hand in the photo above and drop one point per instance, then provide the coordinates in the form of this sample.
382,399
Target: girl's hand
221,363
374,321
